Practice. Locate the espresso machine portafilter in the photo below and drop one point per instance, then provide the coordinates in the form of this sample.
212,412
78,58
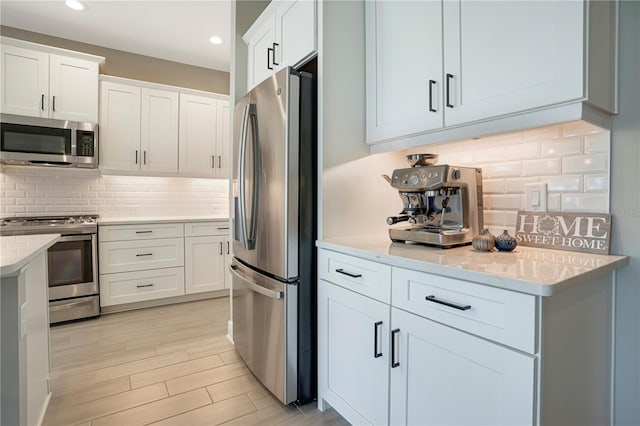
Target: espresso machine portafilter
442,204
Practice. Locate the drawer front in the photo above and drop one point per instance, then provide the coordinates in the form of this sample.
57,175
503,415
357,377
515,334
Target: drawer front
500,315
362,276
128,287
125,256
203,229
140,232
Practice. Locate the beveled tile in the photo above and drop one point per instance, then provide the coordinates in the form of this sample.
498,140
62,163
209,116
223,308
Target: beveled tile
213,414
157,410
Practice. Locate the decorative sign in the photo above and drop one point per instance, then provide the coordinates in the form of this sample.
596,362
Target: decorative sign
586,232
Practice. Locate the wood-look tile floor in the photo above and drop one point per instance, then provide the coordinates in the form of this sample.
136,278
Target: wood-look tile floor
168,365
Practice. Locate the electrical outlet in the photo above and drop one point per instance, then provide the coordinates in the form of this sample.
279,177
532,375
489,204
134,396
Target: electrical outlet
536,197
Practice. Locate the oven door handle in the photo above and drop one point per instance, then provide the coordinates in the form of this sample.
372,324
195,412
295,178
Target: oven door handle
75,238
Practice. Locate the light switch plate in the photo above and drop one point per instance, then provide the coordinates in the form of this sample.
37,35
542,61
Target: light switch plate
536,197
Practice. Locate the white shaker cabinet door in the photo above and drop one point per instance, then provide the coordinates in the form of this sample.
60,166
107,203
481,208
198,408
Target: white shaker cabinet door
159,131
260,54
503,57
25,82
197,134
353,338
404,68
444,376
223,140
73,89
204,264
119,126
295,32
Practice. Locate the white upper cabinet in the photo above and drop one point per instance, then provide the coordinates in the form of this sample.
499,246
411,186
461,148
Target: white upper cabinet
445,70
198,116
38,83
119,126
159,131
285,34
223,139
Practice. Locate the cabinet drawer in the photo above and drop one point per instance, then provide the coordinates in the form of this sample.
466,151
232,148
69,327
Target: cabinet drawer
124,256
362,276
140,232
203,229
500,315
128,287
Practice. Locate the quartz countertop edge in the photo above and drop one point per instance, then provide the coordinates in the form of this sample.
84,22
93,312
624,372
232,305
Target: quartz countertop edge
536,271
16,252
159,219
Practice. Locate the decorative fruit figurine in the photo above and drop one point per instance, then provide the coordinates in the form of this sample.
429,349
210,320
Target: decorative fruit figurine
505,242
484,242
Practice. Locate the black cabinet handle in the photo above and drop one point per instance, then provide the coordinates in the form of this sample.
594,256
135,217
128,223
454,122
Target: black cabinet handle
376,341
53,104
144,285
228,247
144,232
395,334
433,299
270,49
223,229
349,274
136,156
449,78
431,84
144,254
42,102
144,157
213,162
219,161
220,248
274,54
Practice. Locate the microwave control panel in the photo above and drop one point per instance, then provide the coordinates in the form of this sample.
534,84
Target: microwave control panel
85,143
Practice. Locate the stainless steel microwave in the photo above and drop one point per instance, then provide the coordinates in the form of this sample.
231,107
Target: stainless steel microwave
31,141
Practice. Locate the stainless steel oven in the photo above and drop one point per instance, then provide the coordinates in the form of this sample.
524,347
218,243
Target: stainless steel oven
72,263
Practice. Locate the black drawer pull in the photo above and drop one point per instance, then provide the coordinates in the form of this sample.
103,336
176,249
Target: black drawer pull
431,84
448,91
395,347
433,299
349,274
223,229
143,232
144,285
376,341
144,254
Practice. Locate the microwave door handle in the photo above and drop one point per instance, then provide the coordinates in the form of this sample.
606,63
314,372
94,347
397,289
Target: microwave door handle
256,177
241,176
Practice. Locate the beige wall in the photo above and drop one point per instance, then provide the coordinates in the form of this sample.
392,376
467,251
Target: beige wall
139,67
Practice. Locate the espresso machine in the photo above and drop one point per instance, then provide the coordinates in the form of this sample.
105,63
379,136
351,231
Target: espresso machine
441,203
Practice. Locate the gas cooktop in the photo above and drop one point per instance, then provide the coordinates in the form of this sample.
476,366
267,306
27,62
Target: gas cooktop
75,224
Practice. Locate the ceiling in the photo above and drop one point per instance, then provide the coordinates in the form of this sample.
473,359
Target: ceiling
172,30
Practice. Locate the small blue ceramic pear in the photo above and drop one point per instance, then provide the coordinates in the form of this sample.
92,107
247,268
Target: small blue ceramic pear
505,242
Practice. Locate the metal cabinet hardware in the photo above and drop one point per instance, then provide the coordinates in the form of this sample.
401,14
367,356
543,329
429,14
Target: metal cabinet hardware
143,232
219,161
349,274
448,303
228,252
270,49
395,347
144,285
377,330
274,54
449,78
144,157
220,248
53,104
136,156
144,254
223,229
431,84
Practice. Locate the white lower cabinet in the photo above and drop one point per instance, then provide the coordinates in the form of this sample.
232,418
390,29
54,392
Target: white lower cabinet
204,269
440,376
353,359
138,286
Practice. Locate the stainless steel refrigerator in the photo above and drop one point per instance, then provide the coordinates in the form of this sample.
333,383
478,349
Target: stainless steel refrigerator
274,216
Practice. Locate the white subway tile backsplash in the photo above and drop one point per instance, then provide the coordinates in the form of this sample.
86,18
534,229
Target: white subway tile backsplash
493,186
563,183
551,166
522,151
511,218
576,128
485,155
508,169
594,203
553,148
540,133
596,163
596,183
598,142
503,202
553,202
516,185
492,217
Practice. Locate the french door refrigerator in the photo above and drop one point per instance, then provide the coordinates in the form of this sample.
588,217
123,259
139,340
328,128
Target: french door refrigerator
274,216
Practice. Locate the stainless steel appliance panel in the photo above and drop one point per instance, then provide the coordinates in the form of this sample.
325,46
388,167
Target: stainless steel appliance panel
265,197
67,310
264,329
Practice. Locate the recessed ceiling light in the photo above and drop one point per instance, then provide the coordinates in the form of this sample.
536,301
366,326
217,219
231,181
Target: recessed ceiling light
74,4
215,40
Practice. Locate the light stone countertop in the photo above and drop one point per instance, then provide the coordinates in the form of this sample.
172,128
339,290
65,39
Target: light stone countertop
159,219
18,251
536,271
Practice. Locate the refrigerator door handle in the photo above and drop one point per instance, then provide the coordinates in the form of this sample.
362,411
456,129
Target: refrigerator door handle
241,176
251,237
255,287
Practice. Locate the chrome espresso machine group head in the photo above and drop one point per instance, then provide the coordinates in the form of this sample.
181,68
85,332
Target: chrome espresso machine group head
441,203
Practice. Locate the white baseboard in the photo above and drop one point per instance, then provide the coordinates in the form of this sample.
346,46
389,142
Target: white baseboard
230,331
